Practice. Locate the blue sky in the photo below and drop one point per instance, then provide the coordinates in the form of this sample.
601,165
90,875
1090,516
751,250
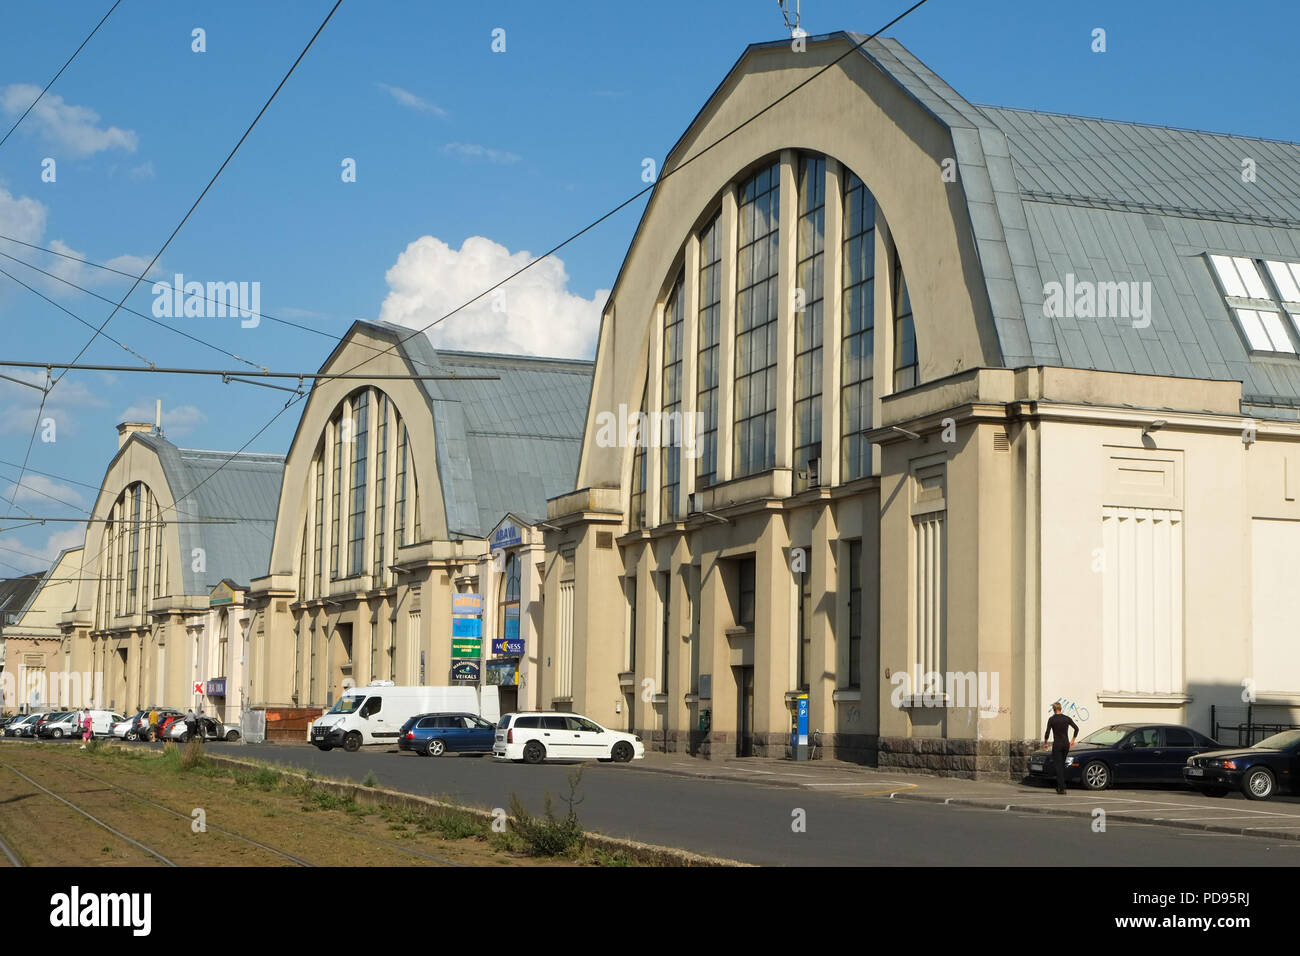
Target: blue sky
512,151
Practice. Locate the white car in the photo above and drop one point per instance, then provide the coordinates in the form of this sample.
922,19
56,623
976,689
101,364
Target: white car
534,736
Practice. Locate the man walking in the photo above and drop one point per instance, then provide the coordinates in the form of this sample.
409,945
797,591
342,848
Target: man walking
1058,728
153,724
191,722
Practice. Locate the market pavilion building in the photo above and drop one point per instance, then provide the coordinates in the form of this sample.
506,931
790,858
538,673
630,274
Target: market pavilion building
995,408
169,524
393,488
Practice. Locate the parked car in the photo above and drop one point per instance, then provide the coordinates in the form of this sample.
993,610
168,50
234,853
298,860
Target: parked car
124,728
1126,753
64,724
376,713
32,729
1258,771
209,729
15,727
534,736
432,735
141,728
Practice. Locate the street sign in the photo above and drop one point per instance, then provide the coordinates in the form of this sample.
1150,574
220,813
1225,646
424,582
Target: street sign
466,647
465,672
507,647
466,627
467,604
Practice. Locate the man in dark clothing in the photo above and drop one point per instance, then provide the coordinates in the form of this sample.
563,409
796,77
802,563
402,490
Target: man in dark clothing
1058,728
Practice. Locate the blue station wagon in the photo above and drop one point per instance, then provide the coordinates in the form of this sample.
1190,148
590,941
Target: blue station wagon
432,735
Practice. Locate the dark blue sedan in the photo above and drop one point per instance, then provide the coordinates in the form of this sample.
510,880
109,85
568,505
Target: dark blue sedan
1126,753
432,735
1258,772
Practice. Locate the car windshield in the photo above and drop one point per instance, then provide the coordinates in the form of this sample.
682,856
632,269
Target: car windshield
1287,738
1106,737
346,705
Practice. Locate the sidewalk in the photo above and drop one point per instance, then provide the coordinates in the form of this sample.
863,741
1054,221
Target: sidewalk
1169,806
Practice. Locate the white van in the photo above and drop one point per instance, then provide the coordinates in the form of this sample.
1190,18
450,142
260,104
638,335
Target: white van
374,714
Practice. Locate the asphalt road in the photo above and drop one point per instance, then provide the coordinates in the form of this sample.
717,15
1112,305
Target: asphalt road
754,822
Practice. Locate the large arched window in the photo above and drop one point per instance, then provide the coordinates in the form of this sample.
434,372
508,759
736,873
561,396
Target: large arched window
810,236
857,345
364,490
833,252
508,628
670,454
757,309
131,556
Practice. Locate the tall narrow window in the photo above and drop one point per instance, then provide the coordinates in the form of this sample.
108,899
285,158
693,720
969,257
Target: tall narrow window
666,594
804,650
158,557
855,613
636,502
857,350
745,593
905,364
110,536
133,559
146,551
670,454
809,293
509,607
706,360
757,307
342,429
381,479
320,526
399,490
357,522
630,584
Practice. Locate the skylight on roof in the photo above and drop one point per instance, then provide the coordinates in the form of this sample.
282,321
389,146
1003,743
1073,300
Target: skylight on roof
1257,308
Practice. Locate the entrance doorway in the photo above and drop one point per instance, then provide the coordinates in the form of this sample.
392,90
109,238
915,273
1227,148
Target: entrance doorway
744,711
341,655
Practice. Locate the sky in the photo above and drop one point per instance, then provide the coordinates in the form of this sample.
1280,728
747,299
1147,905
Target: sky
469,162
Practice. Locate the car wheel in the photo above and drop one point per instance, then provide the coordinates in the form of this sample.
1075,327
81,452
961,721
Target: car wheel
232,735
1258,784
435,748
1214,791
184,737
1096,776
56,734
130,735
352,742
622,752
534,752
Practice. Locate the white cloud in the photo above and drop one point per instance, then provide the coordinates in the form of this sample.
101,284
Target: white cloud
74,129
142,172
177,421
22,218
45,493
532,314
411,101
83,275
65,407
475,151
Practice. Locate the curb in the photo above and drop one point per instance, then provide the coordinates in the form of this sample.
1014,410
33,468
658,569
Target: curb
1126,817
643,852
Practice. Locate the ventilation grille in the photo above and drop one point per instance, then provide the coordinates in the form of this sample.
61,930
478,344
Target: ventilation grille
1000,440
281,607
605,540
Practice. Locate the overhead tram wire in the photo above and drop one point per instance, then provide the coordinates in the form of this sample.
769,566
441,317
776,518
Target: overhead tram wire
67,64
232,373
294,400
184,219
147,318
131,275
